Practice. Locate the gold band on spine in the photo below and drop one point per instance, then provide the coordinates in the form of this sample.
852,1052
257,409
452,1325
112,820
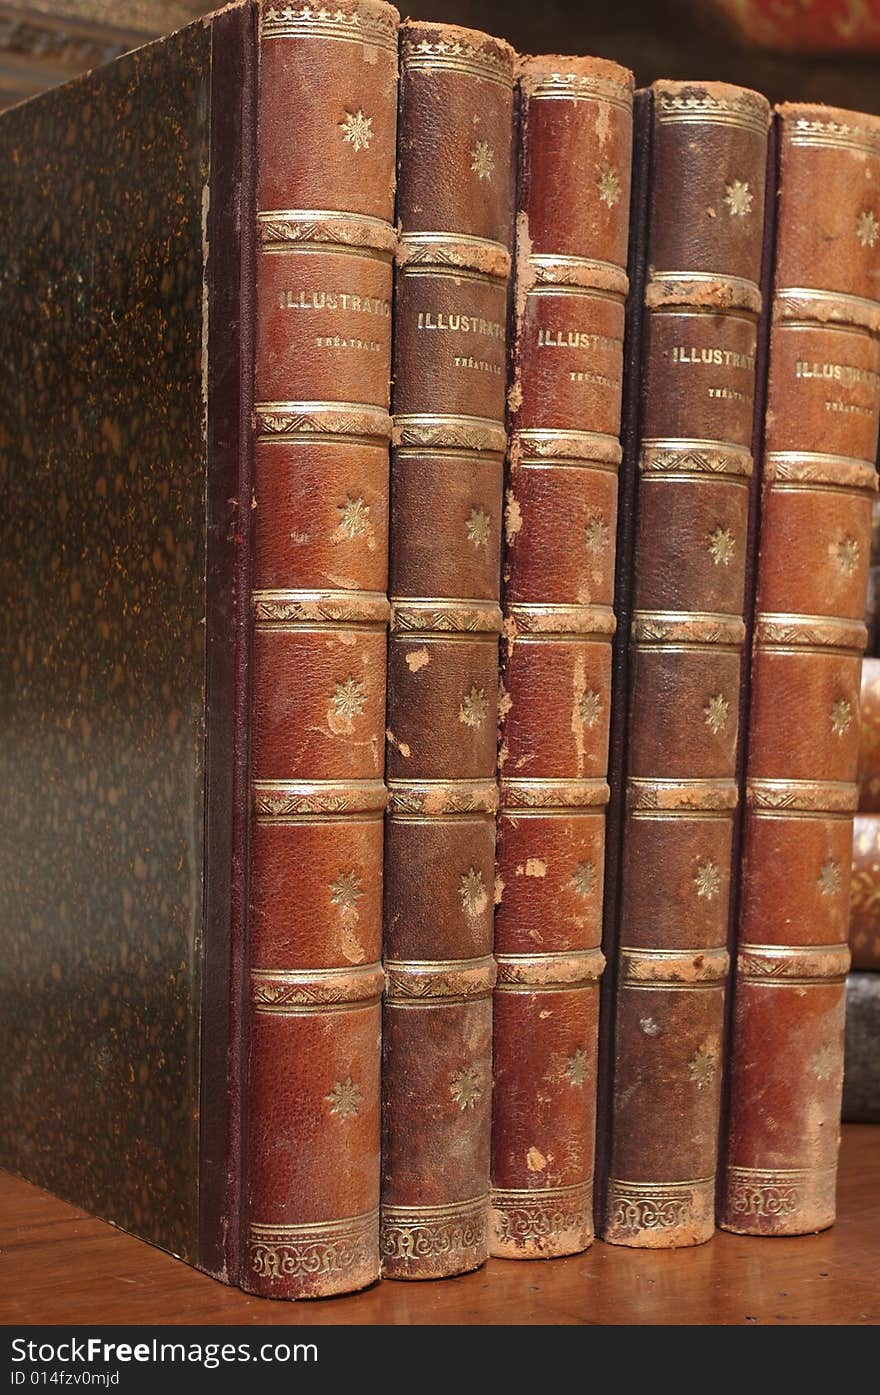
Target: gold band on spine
282,799
746,111
587,273
419,980
568,969
566,797
722,294
292,992
650,628
455,1234
668,456
682,795
537,1220
802,796
836,135
307,608
539,85
673,968
436,432
415,616
316,1248
826,307
354,232
777,1194
559,621
434,798
373,25
454,250
792,632
587,447
793,965
457,55
285,421
635,1207
816,468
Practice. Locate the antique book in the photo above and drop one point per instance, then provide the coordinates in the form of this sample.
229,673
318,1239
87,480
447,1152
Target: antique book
454,214
861,1078
195,470
868,764
575,137
818,478
680,598
864,893
872,603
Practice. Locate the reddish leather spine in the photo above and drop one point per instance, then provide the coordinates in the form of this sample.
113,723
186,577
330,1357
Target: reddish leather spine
818,480
702,298
864,893
326,139
575,138
455,210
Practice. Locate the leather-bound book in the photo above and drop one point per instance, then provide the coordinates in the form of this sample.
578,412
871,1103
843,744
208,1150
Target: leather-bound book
575,136
324,271
872,604
868,766
815,531
454,213
864,893
687,470
194,466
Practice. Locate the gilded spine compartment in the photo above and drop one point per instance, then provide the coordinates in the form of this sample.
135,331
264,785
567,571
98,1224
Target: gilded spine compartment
690,467
455,210
575,133
325,245
816,495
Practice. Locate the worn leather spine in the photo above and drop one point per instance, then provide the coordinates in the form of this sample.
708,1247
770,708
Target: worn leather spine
694,463
575,137
326,139
454,212
864,886
868,765
818,480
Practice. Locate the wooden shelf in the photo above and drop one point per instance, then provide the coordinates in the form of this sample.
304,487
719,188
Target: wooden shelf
59,1265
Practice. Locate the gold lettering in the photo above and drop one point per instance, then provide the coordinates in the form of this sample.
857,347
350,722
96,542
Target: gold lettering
847,374
710,357
334,300
459,324
575,339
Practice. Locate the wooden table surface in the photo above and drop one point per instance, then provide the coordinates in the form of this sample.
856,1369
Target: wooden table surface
58,1265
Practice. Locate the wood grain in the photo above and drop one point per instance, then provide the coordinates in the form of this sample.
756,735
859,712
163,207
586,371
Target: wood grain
58,1265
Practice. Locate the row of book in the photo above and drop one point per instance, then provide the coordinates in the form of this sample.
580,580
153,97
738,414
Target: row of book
488,357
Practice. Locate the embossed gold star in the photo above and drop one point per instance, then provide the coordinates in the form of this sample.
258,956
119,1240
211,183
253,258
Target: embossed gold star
354,517
867,228
701,1067
349,698
841,716
346,890
590,708
482,160
474,706
829,878
738,198
597,534
716,712
465,1088
584,879
609,187
721,546
472,890
477,528
345,1098
707,880
577,1068
823,1062
357,130
846,556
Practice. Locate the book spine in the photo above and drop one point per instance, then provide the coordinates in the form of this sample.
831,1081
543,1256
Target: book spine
575,134
818,479
325,244
864,893
455,210
693,463
872,603
868,768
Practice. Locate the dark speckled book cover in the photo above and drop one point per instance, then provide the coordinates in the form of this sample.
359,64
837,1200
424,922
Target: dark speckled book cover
124,345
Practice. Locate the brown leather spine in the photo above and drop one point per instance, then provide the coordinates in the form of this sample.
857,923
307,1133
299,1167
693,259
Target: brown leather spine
869,738
575,137
709,153
872,604
326,138
818,479
455,208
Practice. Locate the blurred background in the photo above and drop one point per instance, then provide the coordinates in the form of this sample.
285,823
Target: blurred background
804,50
